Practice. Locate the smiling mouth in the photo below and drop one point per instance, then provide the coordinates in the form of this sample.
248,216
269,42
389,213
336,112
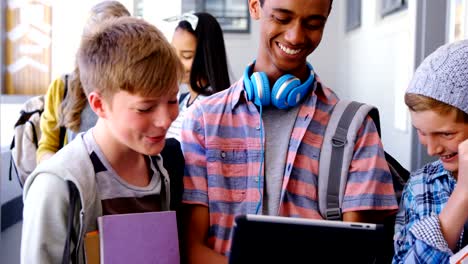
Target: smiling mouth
155,139
288,50
448,156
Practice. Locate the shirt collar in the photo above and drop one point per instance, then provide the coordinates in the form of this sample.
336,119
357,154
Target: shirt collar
437,170
238,93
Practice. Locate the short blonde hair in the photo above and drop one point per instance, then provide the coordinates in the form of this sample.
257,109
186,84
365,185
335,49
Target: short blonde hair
419,103
128,54
103,11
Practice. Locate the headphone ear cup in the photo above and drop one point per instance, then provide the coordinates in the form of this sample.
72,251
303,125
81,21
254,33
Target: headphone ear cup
296,95
300,91
281,90
261,88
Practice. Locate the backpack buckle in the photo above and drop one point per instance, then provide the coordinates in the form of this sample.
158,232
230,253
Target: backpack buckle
338,141
333,214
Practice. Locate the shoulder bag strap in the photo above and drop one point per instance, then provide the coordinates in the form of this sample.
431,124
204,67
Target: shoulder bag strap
71,232
182,97
465,235
339,142
63,129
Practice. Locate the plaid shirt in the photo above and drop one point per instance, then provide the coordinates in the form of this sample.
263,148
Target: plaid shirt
418,237
222,148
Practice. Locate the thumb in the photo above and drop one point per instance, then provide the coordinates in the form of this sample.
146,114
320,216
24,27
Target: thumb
463,160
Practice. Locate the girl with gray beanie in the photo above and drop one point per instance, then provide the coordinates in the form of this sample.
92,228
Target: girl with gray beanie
434,207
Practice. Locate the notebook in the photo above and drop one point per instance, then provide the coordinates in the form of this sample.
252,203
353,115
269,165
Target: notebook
139,238
91,245
273,239
461,257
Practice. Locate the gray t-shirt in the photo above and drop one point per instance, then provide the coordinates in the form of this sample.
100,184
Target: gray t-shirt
278,125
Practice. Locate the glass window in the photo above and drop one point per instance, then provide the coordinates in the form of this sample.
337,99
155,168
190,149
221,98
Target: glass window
232,15
458,20
388,7
353,14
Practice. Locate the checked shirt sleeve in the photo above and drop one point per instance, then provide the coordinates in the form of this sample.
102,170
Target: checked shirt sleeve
418,239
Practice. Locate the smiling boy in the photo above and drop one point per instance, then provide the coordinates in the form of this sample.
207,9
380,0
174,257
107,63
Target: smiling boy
249,152
434,205
130,75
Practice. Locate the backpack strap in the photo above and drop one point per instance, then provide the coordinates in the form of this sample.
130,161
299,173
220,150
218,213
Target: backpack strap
182,97
10,171
174,163
465,235
63,129
70,256
336,155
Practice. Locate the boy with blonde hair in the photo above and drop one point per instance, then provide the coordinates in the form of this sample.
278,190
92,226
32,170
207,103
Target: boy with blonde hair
130,75
433,211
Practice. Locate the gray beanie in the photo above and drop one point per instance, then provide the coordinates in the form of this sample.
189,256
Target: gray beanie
443,75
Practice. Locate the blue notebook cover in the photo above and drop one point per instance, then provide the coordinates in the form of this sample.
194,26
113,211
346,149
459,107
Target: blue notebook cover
139,238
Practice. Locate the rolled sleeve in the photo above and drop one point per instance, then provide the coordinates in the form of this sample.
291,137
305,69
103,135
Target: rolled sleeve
428,230
193,147
427,244
370,184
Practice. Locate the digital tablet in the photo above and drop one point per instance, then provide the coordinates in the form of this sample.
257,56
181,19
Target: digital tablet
273,239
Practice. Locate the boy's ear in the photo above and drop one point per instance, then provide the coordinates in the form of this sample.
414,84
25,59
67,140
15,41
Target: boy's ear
97,103
254,9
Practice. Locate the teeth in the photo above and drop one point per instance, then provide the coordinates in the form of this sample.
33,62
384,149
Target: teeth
449,156
288,50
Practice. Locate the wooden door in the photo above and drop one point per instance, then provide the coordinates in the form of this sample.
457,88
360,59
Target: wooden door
28,46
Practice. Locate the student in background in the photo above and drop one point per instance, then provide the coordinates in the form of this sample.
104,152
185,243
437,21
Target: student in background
434,205
199,42
249,152
130,75
72,112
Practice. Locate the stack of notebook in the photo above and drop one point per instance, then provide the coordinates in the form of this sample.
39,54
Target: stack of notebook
134,238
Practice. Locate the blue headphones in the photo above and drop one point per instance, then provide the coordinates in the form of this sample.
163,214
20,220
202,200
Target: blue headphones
287,90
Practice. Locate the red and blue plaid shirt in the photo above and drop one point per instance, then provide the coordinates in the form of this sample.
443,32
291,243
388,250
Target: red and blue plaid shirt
222,148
